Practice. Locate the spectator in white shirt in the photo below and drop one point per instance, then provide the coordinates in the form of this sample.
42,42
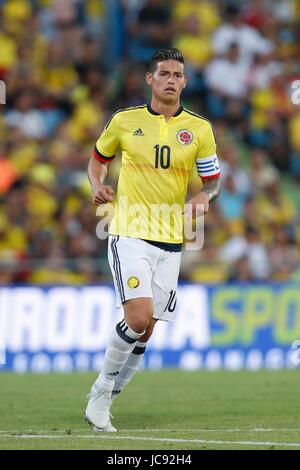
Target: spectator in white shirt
231,165
250,41
26,117
262,70
228,75
251,247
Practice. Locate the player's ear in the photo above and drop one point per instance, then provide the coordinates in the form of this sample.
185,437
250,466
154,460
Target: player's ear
149,78
185,82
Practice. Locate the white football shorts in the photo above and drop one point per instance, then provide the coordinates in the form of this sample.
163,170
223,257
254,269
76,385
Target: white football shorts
140,269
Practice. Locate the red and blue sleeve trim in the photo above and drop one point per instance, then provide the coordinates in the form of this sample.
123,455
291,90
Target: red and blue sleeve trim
210,177
100,157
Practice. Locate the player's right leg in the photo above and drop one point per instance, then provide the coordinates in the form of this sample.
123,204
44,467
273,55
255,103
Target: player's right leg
164,286
121,343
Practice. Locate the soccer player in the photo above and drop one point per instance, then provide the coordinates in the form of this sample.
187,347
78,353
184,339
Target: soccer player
161,142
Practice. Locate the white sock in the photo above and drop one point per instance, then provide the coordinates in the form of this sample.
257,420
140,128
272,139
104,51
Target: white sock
130,367
121,342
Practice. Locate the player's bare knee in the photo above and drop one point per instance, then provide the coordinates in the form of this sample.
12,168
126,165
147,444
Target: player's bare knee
138,314
139,322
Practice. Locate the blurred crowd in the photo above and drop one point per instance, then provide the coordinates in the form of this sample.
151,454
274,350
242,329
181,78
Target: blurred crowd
68,65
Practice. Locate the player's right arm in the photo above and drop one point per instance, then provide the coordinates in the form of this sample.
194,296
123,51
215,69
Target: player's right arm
104,152
97,172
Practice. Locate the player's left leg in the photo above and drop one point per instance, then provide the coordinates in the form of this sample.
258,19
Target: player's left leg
164,286
133,362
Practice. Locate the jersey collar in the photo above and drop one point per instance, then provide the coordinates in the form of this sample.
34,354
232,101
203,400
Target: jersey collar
151,111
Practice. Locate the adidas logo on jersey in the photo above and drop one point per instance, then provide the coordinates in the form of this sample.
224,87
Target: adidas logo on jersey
138,132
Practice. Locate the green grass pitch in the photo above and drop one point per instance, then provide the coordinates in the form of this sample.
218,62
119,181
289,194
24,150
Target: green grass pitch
165,410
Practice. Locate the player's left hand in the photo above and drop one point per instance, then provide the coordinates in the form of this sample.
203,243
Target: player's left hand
197,206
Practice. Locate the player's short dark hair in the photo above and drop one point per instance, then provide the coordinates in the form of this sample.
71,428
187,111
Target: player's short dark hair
170,53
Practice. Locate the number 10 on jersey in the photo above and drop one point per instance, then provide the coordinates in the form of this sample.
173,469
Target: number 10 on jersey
162,156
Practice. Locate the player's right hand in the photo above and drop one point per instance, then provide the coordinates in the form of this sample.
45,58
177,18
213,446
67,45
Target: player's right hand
102,194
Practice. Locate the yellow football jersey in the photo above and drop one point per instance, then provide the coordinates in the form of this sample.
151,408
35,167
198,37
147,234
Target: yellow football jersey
158,158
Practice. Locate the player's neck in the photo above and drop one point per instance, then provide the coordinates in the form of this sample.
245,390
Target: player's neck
167,110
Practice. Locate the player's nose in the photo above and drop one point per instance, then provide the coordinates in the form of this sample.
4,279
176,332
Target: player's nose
171,84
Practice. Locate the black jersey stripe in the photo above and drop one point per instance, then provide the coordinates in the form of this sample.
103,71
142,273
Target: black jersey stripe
204,118
100,156
155,113
114,241
117,267
122,110
123,335
139,350
176,247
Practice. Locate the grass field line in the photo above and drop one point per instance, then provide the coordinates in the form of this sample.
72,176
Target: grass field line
218,430
153,439
228,430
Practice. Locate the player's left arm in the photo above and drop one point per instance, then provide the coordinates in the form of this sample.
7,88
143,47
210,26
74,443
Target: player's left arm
208,169
200,203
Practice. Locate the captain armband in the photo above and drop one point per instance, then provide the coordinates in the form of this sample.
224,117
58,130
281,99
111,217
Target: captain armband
208,167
